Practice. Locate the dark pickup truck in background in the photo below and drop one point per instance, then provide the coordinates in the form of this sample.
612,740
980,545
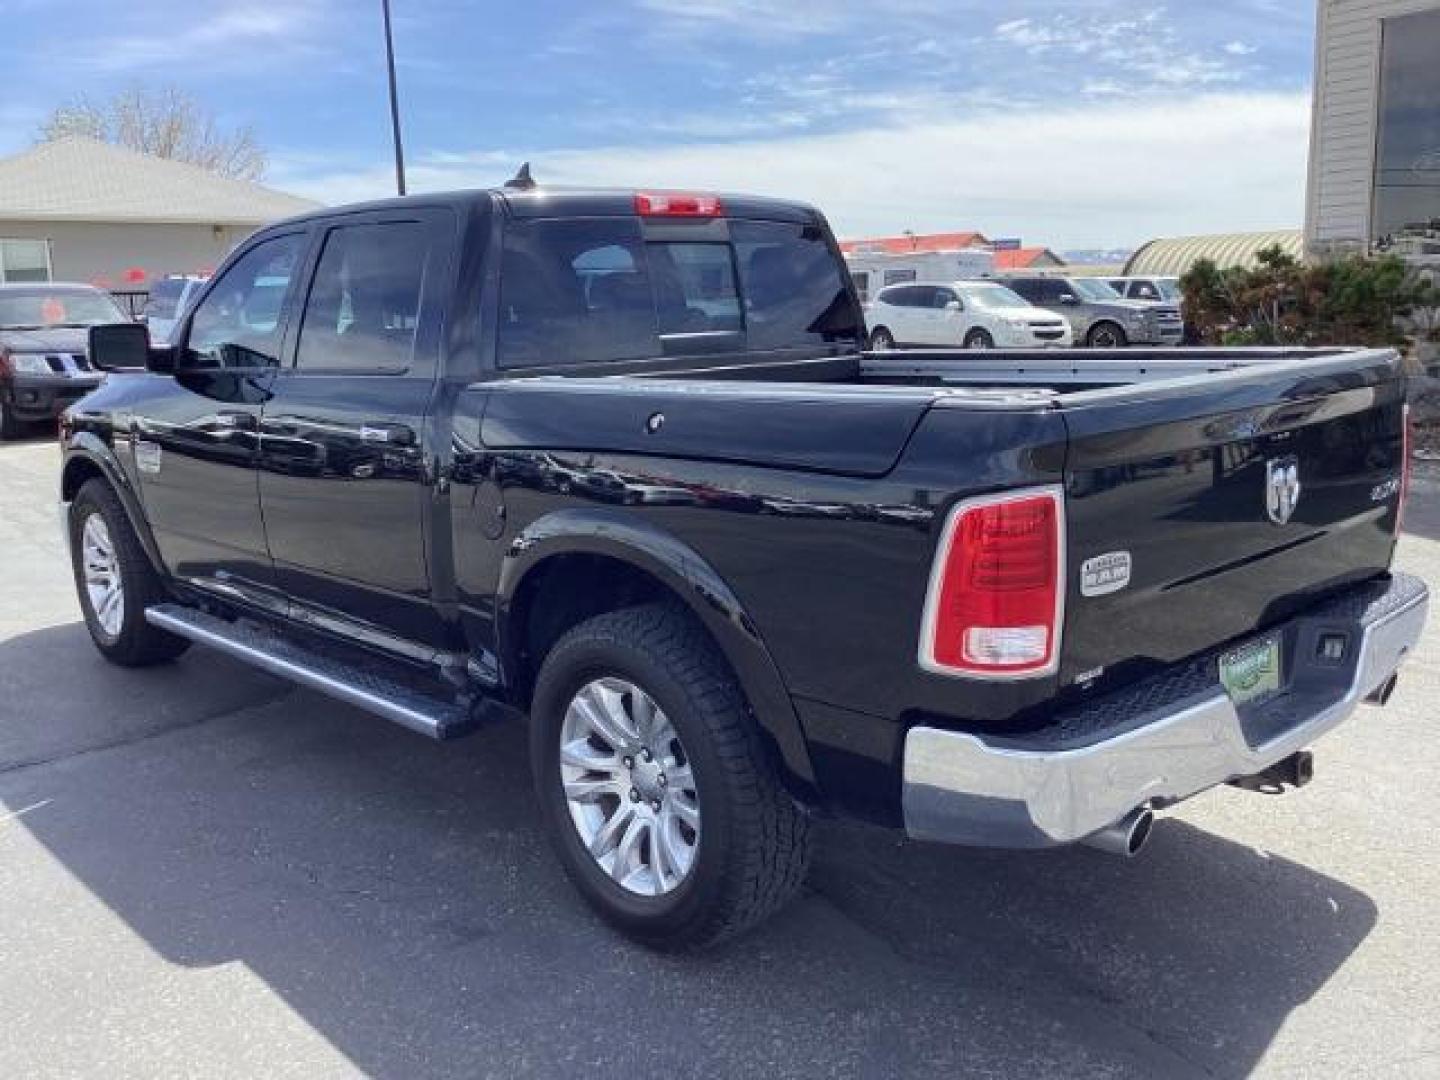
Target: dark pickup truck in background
618,461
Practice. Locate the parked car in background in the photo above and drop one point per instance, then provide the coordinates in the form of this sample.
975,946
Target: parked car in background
872,271
43,364
1099,316
973,314
170,297
1152,289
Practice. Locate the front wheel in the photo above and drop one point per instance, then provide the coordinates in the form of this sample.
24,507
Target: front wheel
979,339
10,427
1106,335
657,790
115,581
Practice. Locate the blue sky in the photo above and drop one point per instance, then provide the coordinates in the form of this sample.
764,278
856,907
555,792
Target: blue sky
1070,122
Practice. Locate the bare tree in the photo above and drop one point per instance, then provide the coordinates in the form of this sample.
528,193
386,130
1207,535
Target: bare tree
165,122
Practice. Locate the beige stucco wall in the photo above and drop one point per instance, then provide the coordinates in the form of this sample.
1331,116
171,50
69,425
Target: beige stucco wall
101,252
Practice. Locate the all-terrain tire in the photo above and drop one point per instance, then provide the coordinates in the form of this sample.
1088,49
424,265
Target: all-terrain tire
754,839
133,642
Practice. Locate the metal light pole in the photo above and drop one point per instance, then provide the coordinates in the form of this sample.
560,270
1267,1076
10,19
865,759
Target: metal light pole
394,102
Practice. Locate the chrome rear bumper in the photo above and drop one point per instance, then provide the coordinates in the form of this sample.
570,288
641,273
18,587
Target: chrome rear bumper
1165,740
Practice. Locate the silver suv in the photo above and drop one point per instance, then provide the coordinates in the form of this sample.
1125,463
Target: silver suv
1099,316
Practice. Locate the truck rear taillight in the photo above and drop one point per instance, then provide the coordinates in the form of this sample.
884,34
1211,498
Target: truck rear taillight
676,204
996,596
1407,451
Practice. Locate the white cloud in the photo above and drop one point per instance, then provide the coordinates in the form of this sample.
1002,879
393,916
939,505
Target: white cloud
1239,48
1145,47
1108,174
238,32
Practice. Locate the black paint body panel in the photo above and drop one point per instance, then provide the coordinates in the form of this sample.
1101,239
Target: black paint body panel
791,500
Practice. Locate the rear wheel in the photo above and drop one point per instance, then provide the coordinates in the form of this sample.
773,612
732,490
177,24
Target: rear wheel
979,339
115,581
882,340
1106,335
659,794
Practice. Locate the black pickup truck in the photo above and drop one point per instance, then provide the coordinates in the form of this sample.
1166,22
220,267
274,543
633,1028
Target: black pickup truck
619,462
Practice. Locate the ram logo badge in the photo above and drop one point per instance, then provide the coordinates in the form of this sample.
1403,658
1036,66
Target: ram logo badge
1282,487
1105,573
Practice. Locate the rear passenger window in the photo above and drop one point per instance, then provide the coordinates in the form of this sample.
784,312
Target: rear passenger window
364,303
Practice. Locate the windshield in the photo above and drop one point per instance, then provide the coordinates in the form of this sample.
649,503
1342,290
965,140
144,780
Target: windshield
992,296
164,302
1093,289
38,309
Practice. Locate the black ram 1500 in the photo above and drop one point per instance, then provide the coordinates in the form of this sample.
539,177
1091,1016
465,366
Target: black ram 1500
618,461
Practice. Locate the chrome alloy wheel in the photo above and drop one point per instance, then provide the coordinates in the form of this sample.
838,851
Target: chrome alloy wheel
629,787
103,584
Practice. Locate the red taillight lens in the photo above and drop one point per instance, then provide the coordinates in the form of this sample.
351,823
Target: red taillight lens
1407,451
996,590
674,204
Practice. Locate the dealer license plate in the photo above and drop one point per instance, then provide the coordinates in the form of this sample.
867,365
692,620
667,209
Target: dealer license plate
1252,671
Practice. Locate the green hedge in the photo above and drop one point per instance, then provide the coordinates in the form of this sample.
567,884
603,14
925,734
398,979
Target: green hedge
1354,300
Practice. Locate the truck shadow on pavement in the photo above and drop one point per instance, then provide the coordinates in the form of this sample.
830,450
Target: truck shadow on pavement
398,895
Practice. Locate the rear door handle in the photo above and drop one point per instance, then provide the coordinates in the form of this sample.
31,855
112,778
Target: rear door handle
389,434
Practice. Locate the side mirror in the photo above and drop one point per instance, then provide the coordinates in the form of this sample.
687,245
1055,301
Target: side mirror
115,346
122,346
954,305
1068,298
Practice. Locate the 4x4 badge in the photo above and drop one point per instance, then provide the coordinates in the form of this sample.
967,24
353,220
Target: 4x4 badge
1282,487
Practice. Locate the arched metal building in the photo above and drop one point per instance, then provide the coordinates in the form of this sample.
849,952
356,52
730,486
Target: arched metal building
1174,256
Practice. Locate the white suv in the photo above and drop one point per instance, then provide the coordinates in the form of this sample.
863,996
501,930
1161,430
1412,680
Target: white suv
972,314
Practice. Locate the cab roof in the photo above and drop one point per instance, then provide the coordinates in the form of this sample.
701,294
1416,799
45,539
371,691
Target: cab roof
573,202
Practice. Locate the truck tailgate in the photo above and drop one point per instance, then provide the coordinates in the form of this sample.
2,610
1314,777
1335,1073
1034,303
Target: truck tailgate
1201,513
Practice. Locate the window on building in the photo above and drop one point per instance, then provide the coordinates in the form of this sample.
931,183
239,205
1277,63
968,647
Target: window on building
893,277
24,260
1407,158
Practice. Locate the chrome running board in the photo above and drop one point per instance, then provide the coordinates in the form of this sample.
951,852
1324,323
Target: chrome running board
347,681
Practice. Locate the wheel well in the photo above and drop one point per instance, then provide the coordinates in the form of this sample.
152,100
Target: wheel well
563,592
77,472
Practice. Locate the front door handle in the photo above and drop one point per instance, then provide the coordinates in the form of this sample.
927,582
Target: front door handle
389,434
235,420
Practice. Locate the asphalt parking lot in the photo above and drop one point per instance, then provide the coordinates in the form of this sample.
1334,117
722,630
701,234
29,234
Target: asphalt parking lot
206,871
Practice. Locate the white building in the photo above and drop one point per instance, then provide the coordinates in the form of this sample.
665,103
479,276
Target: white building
81,210
1375,132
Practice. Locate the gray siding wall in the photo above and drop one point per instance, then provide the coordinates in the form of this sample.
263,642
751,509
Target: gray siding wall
1342,132
98,251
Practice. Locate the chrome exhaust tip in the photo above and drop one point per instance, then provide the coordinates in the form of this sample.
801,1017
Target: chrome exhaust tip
1127,836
